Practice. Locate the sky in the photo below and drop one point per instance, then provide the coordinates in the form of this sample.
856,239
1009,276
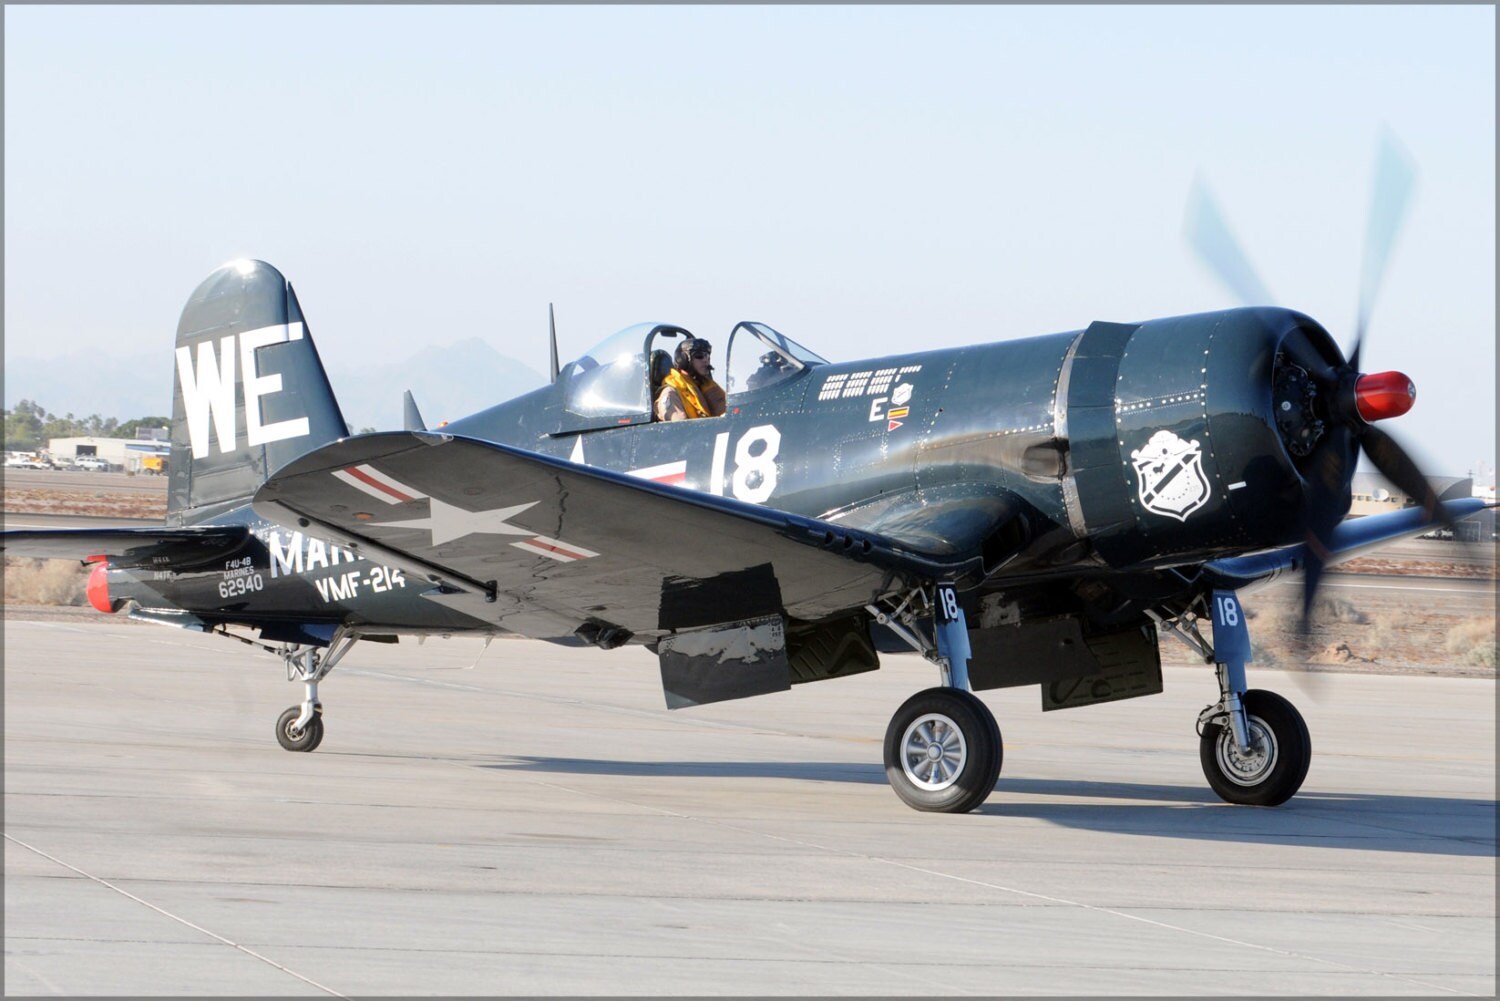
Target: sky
869,180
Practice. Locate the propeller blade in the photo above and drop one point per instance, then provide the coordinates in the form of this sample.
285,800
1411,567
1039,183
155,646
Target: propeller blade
1395,177
1326,477
1208,234
1399,468
1300,351
1325,508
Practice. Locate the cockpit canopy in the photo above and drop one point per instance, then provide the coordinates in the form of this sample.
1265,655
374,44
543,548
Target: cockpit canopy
613,383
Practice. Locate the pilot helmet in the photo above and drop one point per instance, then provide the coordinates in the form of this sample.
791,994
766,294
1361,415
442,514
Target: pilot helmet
687,347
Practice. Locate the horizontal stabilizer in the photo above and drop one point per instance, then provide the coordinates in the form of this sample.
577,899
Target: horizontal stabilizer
160,548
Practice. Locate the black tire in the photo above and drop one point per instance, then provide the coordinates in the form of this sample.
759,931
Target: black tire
316,726
306,739
961,773
1274,772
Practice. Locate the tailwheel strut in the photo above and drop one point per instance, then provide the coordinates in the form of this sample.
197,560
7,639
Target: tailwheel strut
300,727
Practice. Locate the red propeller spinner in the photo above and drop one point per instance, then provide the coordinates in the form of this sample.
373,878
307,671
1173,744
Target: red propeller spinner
1383,395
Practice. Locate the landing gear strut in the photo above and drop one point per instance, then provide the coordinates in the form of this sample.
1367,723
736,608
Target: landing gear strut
1253,744
942,748
300,728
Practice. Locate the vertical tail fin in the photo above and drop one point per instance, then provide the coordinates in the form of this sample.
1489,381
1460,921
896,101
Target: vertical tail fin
250,391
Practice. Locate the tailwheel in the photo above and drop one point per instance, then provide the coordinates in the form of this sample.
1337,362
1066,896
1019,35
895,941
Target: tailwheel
1271,771
943,751
293,739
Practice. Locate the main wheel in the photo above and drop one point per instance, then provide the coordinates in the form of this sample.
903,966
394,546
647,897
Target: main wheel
943,751
293,739
1280,751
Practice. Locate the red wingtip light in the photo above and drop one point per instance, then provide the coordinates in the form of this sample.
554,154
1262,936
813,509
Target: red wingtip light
98,589
1384,394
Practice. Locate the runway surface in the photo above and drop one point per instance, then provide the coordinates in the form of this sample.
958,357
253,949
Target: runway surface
540,824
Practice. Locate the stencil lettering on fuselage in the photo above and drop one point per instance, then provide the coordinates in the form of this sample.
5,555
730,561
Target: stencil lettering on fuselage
207,384
297,555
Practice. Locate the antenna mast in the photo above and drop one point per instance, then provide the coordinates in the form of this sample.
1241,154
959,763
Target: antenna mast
552,331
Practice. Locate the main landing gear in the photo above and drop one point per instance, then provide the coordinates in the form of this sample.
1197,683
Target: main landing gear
300,727
1269,768
943,751
1253,744
942,748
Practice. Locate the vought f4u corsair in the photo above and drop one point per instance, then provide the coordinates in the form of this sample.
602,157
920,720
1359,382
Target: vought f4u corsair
1029,512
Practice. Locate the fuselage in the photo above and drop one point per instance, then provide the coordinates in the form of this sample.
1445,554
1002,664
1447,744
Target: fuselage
1044,438
1120,447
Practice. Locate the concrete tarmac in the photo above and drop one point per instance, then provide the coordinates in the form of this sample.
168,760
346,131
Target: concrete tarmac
538,823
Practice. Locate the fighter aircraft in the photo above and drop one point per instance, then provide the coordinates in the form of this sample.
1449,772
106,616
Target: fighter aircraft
1029,512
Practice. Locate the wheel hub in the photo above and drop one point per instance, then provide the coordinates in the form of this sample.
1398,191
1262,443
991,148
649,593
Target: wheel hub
933,752
1249,767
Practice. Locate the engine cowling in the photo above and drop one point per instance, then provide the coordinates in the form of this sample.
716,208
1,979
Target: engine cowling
1197,435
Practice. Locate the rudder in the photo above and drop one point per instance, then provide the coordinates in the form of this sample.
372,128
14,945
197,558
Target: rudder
250,393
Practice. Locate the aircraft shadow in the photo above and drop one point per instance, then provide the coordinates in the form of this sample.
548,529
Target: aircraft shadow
822,771
1417,824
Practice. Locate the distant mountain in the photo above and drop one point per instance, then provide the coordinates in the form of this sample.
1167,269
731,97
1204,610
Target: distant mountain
448,382
121,386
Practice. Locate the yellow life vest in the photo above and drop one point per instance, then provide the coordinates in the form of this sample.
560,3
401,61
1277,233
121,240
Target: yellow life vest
688,393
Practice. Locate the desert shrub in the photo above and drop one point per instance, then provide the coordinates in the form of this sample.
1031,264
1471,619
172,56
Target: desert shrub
1327,608
45,582
1270,655
1473,642
1384,632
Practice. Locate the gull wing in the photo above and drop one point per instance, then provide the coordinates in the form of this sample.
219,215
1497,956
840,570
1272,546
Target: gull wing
543,546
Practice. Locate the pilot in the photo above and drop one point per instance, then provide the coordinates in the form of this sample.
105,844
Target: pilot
689,390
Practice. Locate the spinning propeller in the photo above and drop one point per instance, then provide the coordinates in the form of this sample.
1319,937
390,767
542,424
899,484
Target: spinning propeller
1327,409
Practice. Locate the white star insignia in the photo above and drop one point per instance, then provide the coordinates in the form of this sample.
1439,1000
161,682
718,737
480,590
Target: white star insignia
447,522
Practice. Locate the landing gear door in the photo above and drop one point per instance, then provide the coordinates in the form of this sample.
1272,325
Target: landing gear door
1231,635
733,660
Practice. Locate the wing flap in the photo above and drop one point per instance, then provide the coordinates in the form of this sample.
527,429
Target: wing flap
530,541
